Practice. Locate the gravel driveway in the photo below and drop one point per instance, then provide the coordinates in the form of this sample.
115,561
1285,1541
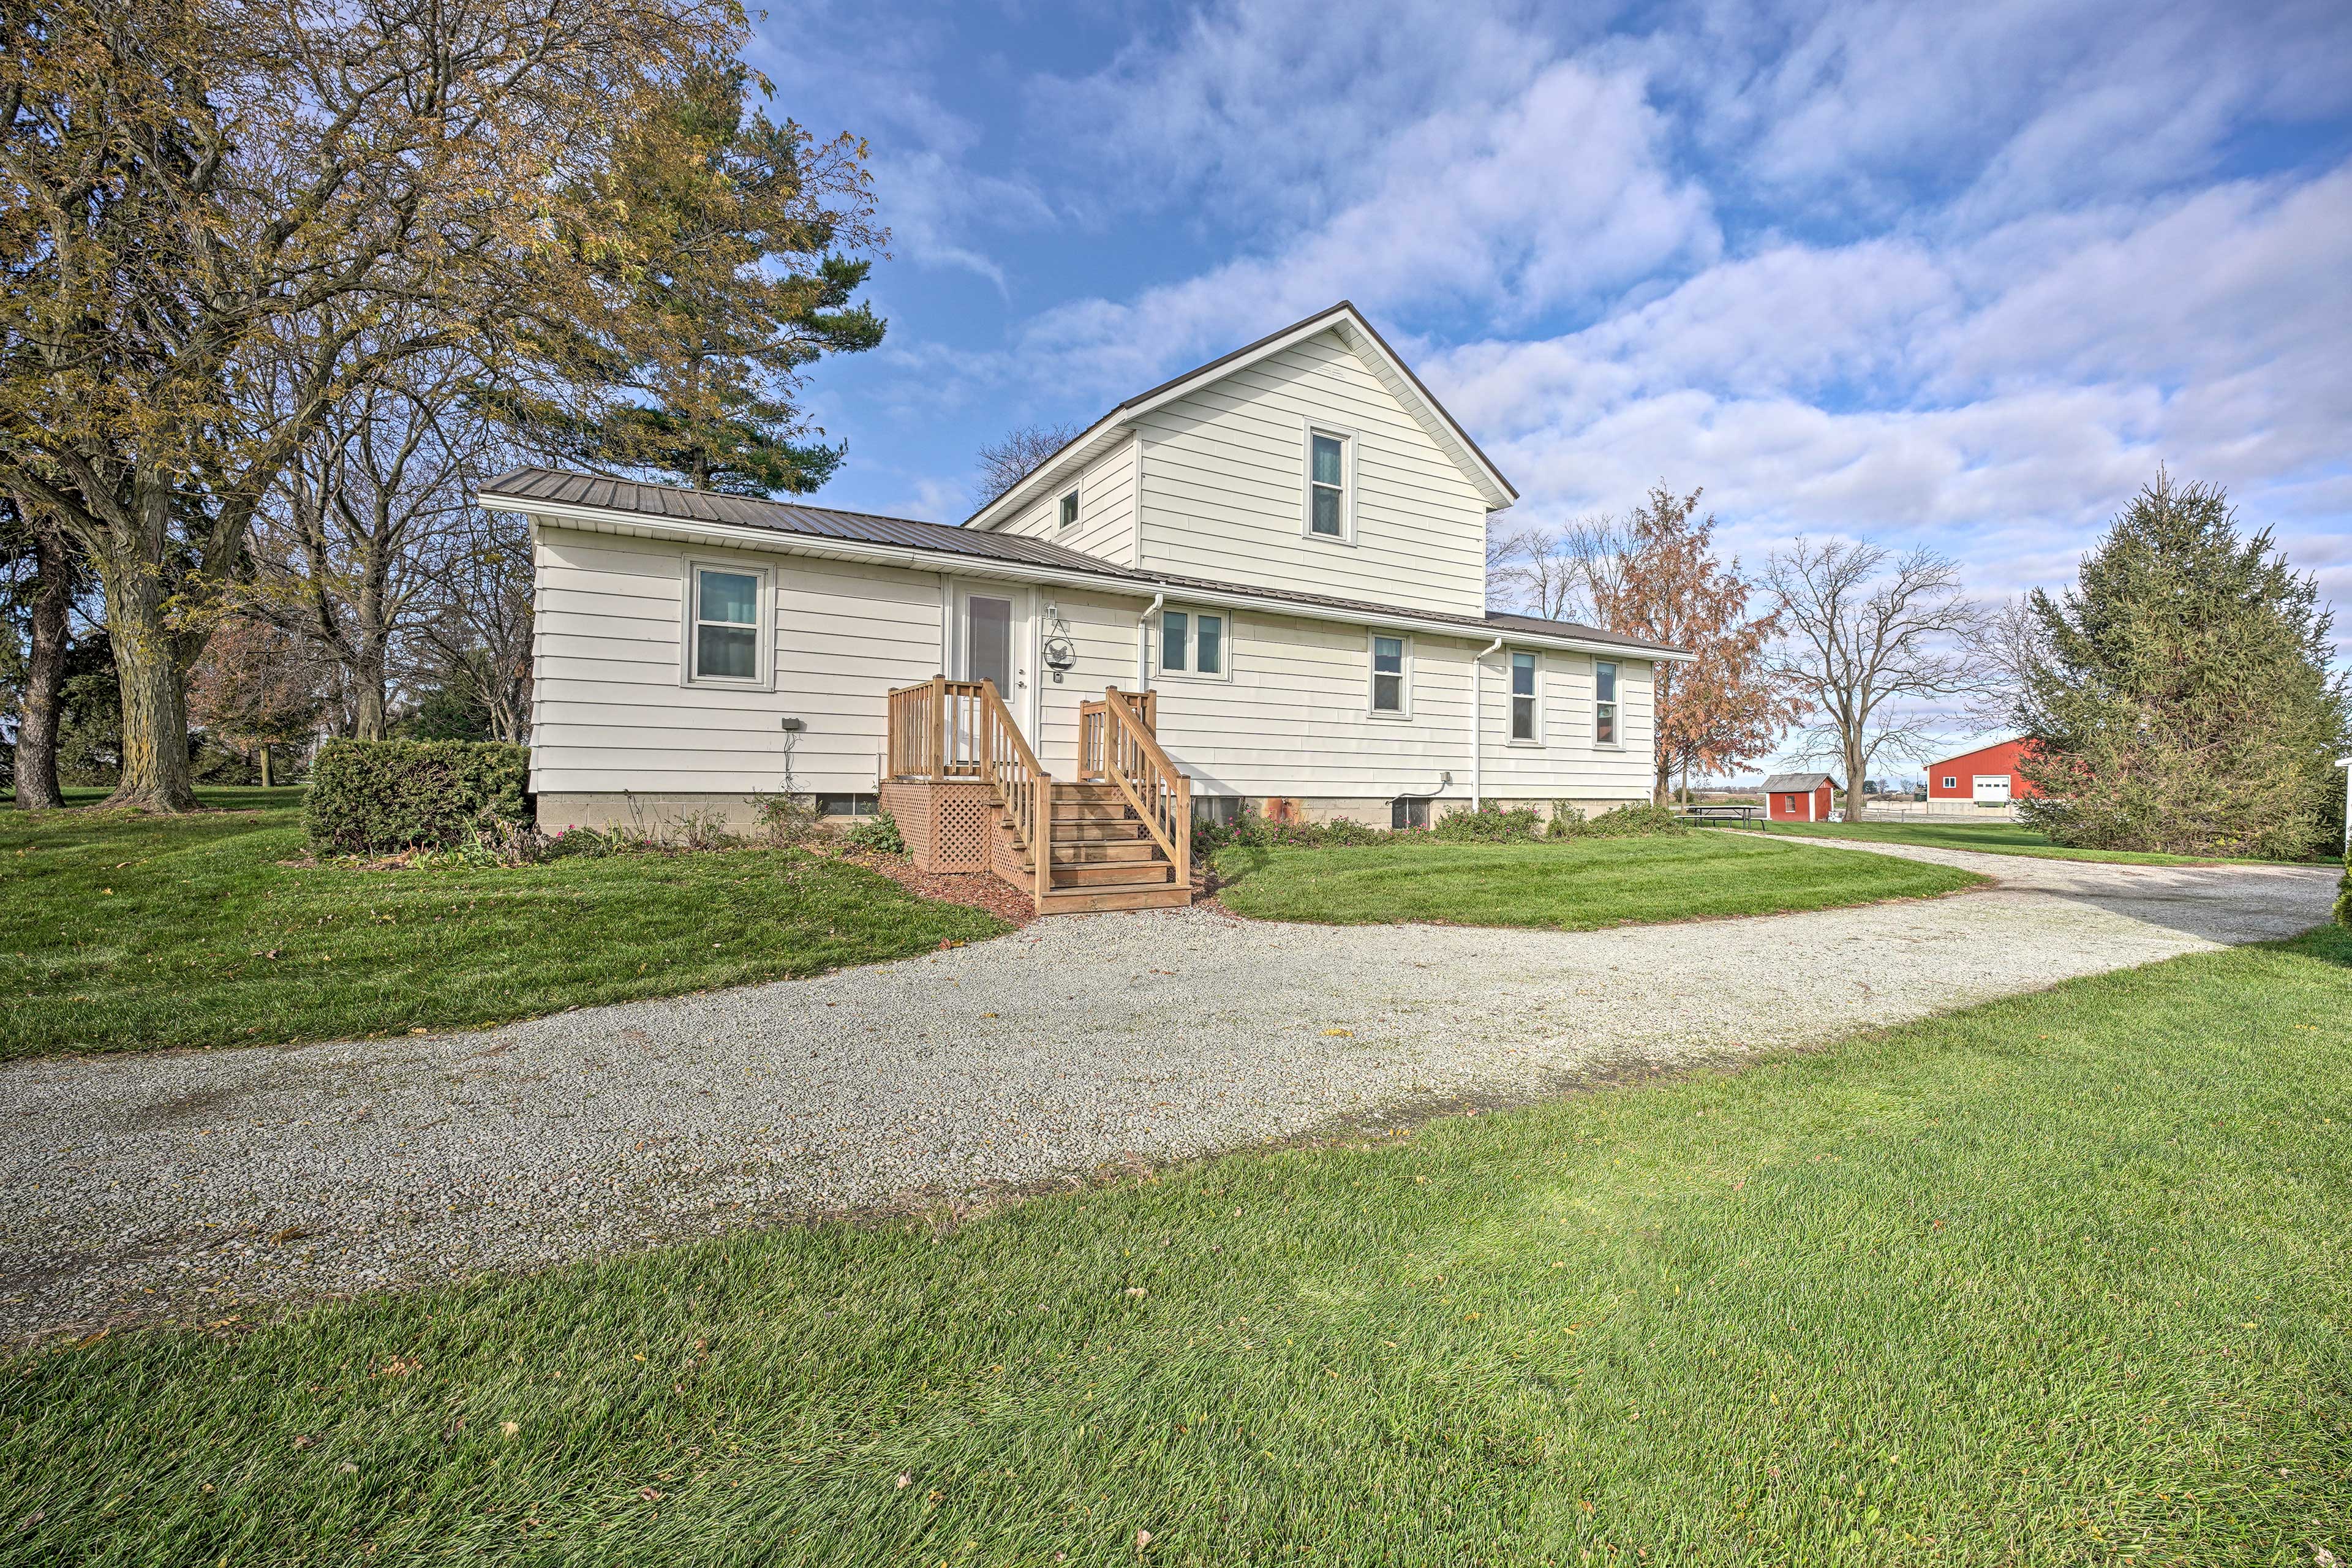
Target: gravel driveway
189,1184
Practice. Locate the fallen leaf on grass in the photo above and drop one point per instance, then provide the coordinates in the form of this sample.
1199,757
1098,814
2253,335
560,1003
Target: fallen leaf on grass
1344,1034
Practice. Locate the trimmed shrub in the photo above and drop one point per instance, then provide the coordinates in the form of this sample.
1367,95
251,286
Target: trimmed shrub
877,834
1633,822
1489,825
379,797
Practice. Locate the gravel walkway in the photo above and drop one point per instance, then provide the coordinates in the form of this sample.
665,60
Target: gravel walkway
192,1185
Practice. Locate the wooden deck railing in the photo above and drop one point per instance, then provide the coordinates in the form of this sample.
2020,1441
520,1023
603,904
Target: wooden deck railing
1130,757
1090,729
962,730
934,729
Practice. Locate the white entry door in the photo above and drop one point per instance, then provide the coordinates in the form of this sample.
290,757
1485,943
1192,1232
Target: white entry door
1992,789
991,640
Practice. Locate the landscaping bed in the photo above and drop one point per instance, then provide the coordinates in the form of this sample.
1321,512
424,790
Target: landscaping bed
120,931
1573,884
2053,1279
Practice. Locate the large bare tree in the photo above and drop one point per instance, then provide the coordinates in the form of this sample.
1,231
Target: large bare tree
192,186
1004,464
1875,643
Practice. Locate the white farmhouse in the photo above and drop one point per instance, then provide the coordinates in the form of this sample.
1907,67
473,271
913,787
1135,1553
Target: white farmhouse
1263,581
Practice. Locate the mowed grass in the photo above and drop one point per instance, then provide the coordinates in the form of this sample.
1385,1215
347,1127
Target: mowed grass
126,932
1985,838
1569,885
2056,1281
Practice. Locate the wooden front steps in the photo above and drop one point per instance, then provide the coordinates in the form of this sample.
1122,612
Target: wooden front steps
1104,857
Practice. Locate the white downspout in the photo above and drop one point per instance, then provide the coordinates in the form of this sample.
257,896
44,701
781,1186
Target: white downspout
1143,642
1477,711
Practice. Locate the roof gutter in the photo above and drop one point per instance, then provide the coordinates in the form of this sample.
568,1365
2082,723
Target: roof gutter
1143,642
649,526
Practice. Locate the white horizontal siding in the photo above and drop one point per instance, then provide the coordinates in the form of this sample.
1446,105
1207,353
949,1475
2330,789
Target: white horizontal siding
611,712
1223,472
1106,525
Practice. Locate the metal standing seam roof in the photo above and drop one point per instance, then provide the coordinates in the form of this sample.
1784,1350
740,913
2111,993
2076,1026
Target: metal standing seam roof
1797,784
558,488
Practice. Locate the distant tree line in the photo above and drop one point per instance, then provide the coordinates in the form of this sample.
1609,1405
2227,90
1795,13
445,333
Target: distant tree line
285,285
2181,698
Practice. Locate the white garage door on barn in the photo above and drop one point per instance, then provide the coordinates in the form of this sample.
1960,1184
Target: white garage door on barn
1992,789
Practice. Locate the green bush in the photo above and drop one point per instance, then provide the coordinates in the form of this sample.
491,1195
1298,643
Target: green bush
877,835
1633,822
379,797
1489,825
1566,820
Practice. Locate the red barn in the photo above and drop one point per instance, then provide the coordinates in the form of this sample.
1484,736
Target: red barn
1799,797
1986,776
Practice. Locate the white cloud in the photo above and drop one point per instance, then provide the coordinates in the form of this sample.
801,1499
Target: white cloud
1555,195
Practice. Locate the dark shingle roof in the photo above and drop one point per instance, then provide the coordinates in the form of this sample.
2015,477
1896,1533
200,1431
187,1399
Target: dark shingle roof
560,489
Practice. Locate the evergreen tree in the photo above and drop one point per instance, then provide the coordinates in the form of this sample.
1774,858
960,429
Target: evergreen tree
718,239
2185,703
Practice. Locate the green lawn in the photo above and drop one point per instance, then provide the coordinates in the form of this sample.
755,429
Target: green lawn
2057,1280
127,933
1985,838
1572,885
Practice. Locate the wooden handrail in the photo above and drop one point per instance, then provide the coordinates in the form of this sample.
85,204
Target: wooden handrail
1146,705
934,729
1130,757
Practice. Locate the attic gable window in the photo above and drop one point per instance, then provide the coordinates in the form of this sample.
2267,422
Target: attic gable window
1330,484
1067,513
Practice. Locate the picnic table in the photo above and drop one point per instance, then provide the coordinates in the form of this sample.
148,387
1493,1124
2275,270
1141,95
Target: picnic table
1743,813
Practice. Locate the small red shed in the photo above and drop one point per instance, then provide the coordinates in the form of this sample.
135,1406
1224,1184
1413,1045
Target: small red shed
1986,776
1799,797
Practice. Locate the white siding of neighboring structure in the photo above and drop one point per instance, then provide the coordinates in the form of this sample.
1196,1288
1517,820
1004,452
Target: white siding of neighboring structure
1106,525
610,712
1224,478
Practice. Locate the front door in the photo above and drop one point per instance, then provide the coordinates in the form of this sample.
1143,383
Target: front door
991,630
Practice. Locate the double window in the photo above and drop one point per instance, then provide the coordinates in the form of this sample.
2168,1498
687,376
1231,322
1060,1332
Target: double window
1392,693
1605,704
1191,642
1951,782
1527,723
724,624
1330,485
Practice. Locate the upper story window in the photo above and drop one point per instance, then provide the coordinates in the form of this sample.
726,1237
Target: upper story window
725,614
1191,642
1604,705
1065,513
1527,724
1391,694
1330,484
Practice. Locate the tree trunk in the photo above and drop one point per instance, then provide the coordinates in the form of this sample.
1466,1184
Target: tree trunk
154,703
370,723
264,764
1855,764
36,729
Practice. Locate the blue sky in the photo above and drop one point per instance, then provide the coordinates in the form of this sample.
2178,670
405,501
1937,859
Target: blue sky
1954,274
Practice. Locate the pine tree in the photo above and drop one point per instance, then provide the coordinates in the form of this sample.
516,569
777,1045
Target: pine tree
718,239
2185,703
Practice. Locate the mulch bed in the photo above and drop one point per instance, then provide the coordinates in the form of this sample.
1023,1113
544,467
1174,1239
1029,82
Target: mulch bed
976,889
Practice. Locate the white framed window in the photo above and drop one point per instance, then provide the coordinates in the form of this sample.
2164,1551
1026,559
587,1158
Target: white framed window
1195,642
1391,692
1526,695
727,624
1066,510
1330,488
1605,729
1951,782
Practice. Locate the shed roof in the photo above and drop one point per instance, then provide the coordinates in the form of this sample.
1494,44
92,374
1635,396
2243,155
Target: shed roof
1797,784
